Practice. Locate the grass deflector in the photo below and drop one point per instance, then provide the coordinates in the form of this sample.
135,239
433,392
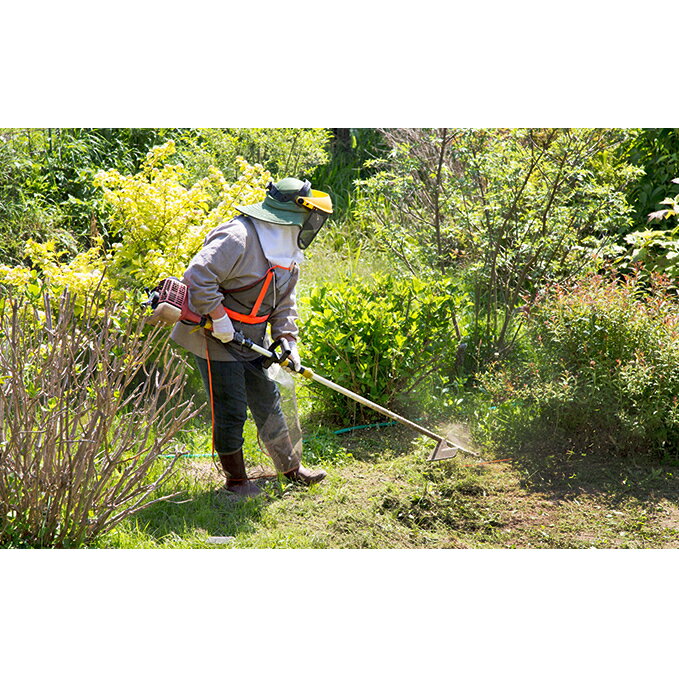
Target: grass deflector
169,302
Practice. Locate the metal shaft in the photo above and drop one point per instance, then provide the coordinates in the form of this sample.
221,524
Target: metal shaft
310,374
370,404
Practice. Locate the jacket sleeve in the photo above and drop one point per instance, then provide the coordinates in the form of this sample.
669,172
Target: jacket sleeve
283,320
223,248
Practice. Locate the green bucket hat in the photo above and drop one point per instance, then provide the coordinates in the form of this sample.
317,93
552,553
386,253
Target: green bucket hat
280,211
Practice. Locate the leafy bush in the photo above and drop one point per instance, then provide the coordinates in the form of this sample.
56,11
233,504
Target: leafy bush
158,220
284,152
380,338
654,250
84,419
603,372
656,151
512,208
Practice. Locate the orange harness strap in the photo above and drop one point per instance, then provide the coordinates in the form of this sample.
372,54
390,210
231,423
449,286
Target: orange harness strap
252,318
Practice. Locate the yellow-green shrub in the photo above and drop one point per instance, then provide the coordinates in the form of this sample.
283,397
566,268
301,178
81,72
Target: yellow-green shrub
158,222
50,273
161,222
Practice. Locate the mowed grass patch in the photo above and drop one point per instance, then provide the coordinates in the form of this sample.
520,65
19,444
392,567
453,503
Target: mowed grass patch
381,493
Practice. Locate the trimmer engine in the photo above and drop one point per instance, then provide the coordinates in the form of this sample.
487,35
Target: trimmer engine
170,304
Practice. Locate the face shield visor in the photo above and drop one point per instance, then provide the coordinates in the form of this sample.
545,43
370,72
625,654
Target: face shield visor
319,205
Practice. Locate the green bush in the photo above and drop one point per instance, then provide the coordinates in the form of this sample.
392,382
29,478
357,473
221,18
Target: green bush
656,151
654,250
602,371
380,338
510,209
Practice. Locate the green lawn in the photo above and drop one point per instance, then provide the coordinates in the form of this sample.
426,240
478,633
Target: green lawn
382,493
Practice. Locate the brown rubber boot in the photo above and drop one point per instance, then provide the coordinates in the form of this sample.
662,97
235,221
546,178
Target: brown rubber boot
285,456
237,481
306,476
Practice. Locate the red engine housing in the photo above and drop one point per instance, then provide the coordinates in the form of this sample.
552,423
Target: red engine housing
170,304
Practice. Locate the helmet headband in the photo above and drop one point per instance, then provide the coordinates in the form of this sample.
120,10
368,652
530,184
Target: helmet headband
281,197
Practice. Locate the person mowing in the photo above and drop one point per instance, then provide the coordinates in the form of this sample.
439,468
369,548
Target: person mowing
244,279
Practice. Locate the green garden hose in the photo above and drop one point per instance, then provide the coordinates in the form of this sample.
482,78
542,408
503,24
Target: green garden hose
306,438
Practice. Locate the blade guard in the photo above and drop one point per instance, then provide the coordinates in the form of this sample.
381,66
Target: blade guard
443,451
446,449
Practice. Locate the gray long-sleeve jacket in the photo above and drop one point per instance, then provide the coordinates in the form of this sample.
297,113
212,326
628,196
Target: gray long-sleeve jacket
232,257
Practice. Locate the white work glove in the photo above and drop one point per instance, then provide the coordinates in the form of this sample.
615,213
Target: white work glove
294,356
222,328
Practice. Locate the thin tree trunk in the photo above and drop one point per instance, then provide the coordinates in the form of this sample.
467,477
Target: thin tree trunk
437,207
342,138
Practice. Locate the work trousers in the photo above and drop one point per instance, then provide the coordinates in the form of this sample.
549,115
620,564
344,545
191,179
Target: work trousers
237,385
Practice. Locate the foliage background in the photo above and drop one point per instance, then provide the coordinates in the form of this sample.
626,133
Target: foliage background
507,277
469,227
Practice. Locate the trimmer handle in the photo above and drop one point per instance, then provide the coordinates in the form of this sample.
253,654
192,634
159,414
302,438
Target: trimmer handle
280,357
270,355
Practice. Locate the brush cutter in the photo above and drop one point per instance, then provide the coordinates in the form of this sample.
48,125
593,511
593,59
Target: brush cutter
169,304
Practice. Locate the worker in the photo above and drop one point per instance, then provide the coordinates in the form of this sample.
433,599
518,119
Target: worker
244,279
